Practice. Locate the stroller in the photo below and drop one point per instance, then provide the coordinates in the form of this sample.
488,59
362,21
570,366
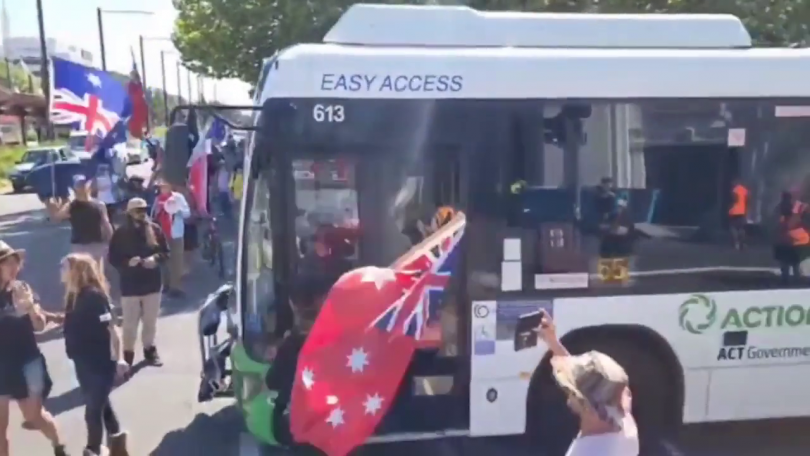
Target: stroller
215,376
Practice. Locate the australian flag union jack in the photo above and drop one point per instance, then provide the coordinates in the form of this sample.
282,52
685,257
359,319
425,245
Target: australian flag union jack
424,279
90,100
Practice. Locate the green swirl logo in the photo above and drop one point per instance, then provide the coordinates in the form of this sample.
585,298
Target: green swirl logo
697,314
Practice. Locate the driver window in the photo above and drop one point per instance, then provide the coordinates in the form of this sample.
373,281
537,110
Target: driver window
326,217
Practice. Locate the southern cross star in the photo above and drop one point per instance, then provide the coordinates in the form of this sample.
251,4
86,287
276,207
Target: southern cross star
372,404
358,360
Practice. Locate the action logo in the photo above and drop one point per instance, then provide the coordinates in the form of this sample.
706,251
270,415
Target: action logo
697,314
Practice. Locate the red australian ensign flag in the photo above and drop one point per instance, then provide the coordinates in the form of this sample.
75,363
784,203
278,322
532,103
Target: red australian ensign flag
137,122
359,348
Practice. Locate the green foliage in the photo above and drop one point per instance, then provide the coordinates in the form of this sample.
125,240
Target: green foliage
19,79
229,38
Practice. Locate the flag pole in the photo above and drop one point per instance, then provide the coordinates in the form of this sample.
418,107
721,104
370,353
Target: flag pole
99,13
165,94
45,69
143,81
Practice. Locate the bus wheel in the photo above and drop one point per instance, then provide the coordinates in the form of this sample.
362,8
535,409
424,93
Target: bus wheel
553,426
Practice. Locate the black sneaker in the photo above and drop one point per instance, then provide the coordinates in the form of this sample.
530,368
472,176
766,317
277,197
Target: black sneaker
60,450
151,356
129,357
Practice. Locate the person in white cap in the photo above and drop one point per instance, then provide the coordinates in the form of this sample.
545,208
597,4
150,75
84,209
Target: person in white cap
23,372
90,228
598,392
170,211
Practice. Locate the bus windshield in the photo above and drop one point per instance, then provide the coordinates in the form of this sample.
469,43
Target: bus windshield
343,208
646,197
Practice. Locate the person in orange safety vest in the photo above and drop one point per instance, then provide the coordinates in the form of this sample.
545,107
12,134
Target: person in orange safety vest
793,241
738,214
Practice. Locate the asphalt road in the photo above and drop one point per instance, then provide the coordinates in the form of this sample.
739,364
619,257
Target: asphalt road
158,405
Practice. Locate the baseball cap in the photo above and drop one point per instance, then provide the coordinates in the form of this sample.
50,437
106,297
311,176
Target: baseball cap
136,203
79,179
595,379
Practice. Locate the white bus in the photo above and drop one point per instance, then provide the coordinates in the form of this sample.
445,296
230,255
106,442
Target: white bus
518,119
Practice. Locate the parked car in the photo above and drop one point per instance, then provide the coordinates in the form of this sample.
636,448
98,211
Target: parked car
77,145
33,158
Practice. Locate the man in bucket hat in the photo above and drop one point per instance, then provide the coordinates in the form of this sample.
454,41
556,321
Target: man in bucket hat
597,390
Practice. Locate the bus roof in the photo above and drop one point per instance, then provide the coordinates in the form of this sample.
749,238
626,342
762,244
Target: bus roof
341,71
461,26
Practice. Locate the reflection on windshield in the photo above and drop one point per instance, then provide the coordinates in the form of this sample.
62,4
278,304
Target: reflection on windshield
340,226
327,221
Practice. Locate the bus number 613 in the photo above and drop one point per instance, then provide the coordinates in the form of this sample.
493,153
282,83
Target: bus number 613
328,113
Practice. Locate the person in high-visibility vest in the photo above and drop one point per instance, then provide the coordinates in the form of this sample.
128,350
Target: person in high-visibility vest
738,214
792,245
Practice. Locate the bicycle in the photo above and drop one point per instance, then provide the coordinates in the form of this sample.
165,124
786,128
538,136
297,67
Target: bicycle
212,249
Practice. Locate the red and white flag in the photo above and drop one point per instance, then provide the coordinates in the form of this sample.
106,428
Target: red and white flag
361,344
198,176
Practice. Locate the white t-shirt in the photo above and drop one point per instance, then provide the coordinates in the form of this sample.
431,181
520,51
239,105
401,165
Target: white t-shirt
104,184
223,180
622,443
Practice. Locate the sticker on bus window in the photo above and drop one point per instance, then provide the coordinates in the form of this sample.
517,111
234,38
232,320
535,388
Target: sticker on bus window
484,347
614,270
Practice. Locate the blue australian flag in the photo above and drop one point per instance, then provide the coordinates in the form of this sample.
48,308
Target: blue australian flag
217,131
86,98
91,100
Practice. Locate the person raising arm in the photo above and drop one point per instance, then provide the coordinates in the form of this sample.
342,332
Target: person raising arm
598,393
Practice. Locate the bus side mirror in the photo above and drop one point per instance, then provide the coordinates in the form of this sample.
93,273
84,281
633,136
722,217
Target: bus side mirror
177,154
211,312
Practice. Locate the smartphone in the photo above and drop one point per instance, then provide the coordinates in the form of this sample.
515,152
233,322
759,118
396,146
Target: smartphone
525,334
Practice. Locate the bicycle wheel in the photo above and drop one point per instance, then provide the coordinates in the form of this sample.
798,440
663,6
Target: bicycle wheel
213,251
220,260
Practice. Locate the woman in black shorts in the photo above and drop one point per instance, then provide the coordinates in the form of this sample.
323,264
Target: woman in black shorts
23,374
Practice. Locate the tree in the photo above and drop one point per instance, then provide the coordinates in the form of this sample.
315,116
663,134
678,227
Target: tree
230,38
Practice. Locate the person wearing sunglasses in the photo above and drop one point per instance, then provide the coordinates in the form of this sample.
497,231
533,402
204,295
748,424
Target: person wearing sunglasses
137,249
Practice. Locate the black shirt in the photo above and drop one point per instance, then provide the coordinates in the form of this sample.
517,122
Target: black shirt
129,241
87,333
605,204
85,222
18,343
281,375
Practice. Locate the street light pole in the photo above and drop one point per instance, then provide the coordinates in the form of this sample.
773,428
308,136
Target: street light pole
188,76
179,88
165,95
99,13
45,69
101,38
